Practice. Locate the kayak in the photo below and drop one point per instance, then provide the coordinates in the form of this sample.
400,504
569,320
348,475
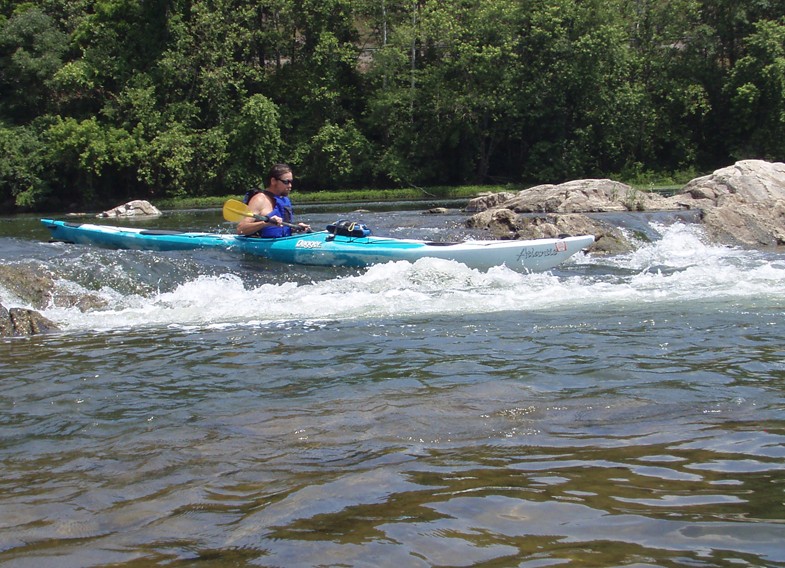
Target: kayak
325,248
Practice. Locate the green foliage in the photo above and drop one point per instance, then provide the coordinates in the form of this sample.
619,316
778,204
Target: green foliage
757,91
109,99
337,153
166,162
31,52
255,139
85,151
22,182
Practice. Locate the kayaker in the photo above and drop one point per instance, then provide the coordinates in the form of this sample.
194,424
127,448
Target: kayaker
273,203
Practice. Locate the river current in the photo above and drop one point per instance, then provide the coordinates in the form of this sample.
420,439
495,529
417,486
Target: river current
221,410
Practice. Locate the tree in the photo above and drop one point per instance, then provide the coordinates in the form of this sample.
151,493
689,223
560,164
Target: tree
32,49
321,86
673,84
95,157
255,139
442,98
338,155
756,87
22,179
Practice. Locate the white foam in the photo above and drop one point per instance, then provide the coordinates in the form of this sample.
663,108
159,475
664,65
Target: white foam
677,268
680,246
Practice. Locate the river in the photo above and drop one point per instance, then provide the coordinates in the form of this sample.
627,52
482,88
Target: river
222,410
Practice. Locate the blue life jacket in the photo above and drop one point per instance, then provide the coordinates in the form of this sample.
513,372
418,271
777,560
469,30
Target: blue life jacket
282,207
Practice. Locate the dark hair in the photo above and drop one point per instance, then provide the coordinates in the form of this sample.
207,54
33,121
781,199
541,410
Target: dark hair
278,170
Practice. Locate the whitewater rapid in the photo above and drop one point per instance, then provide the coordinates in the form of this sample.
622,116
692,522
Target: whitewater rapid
679,267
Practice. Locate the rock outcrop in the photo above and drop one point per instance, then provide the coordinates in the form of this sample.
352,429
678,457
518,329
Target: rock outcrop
579,196
741,205
135,208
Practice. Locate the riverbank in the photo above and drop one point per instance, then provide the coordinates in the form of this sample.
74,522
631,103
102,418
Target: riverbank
380,195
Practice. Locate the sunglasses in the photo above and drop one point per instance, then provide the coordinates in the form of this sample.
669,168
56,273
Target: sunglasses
285,181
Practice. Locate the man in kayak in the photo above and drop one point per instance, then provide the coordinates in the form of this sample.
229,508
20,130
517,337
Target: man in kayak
273,203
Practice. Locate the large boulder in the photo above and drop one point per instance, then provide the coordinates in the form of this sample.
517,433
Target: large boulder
743,204
553,210
506,224
135,208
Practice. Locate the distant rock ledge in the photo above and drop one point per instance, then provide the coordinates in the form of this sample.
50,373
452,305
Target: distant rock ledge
742,205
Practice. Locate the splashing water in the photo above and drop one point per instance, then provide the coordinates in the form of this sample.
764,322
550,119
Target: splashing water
679,267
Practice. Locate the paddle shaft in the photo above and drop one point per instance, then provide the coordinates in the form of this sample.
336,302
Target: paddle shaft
267,219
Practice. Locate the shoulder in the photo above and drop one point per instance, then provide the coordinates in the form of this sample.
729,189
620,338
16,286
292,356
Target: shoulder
249,195
259,203
263,196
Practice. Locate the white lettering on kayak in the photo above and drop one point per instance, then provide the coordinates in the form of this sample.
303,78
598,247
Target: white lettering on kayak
308,245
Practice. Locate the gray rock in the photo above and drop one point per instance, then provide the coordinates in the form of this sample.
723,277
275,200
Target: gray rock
23,322
38,288
135,208
742,205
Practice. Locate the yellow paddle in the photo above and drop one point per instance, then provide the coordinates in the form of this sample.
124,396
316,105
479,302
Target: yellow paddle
235,211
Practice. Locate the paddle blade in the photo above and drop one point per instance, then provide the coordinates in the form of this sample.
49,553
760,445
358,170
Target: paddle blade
235,211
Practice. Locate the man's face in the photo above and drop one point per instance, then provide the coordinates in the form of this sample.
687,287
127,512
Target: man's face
283,183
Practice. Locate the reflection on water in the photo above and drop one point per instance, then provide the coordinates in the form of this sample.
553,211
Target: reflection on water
428,441
219,411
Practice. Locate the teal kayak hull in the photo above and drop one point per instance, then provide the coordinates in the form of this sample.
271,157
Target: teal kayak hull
325,249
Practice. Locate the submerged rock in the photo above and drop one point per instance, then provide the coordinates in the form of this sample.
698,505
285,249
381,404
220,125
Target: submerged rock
39,289
28,283
18,322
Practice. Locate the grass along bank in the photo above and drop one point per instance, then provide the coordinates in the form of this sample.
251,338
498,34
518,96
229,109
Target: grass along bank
347,196
382,195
